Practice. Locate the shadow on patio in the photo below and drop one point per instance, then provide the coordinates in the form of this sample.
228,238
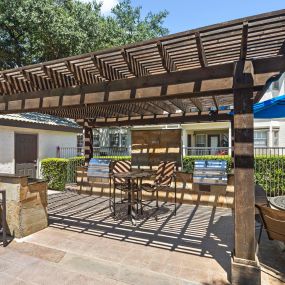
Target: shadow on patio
197,230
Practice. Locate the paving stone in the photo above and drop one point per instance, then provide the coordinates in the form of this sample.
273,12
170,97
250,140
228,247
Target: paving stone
42,252
6,279
189,249
90,266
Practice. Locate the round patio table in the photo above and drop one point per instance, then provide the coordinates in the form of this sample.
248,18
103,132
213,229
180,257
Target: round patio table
278,202
129,176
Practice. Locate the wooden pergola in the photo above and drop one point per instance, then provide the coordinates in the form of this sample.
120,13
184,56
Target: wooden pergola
193,76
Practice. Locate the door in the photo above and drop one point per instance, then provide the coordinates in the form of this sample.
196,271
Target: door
213,143
26,153
189,144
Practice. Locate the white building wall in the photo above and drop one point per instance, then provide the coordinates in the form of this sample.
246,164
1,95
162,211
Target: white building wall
189,129
282,133
7,162
272,92
48,141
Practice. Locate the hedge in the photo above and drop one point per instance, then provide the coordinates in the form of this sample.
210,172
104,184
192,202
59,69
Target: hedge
54,171
269,170
73,163
270,173
59,171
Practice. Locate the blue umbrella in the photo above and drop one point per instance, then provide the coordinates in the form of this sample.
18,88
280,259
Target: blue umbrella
272,108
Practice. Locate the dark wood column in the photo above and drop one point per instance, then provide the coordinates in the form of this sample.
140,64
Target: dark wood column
88,142
245,269
232,138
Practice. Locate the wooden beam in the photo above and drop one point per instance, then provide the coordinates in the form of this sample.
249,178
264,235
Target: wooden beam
178,104
150,108
201,52
175,119
128,60
282,49
10,82
197,104
215,102
53,78
244,217
98,64
72,70
30,79
225,92
164,106
206,75
179,77
2,92
165,60
244,37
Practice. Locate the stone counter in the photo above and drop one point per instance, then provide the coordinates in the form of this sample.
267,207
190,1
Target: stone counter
26,204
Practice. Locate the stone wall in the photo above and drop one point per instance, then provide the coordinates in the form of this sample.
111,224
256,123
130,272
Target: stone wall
26,205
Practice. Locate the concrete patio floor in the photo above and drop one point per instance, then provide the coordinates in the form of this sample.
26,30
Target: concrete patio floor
84,244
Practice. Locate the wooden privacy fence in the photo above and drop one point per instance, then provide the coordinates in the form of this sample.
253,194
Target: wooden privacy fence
149,148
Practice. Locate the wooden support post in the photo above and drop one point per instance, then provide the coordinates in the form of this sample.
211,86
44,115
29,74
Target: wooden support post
88,142
232,138
245,267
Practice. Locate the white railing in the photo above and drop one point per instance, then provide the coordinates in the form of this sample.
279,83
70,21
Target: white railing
67,152
200,151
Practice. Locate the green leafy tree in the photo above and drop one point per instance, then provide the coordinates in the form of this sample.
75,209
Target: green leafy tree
34,31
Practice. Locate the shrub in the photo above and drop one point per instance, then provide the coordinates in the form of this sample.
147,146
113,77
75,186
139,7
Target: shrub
270,173
188,161
269,170
54,171
73,163
59,171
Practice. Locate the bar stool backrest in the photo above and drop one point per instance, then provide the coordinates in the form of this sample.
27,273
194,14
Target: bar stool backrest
121,166
165,172
273,221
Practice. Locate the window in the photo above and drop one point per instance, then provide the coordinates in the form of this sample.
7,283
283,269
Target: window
118,137
124,140
114,140
275,138
261,138
79,145
200,140
79,141
225,140
96,140
189,138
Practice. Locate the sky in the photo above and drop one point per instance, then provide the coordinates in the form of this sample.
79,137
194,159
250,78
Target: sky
189,14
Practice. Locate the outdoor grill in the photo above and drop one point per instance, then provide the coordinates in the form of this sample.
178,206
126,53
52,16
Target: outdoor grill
210,172
99,168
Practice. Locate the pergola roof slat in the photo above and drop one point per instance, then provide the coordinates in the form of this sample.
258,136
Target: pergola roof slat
162,77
